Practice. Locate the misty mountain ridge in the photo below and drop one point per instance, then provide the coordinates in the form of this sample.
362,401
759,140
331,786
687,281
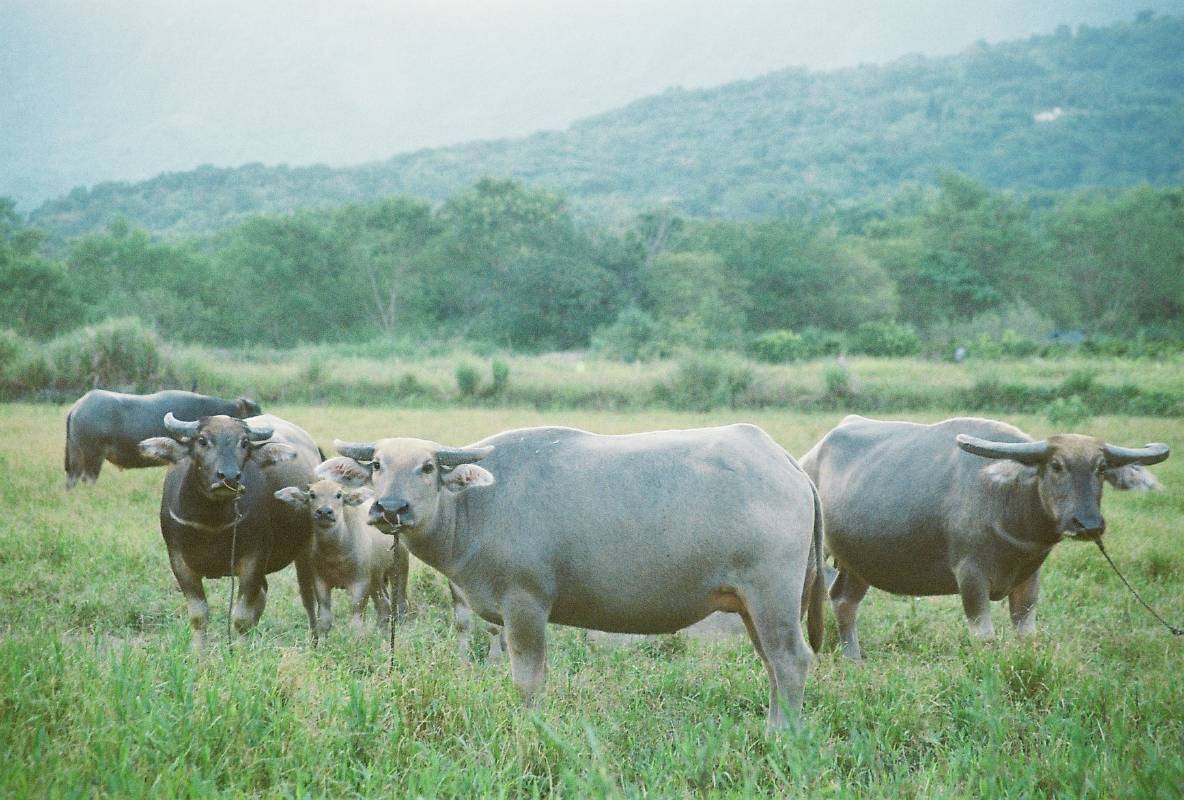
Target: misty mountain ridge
1097,107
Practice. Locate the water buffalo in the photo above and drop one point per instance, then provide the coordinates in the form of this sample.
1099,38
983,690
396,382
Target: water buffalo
110,425
219,494
641,533
966,506
348,553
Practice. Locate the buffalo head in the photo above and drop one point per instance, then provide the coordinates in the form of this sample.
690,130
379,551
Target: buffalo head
219,447
1069,470
406,476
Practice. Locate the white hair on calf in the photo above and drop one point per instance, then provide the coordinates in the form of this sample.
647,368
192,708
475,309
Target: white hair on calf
1132,477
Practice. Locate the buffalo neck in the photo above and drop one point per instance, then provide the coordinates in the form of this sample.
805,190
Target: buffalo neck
1022,516
445,545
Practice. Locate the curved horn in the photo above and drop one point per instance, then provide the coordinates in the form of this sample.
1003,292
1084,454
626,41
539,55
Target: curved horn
259,433
178,429
1023,452
358,451
455,456
1147,454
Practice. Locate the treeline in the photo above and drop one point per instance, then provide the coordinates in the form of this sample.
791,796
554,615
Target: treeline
510,266
1072,109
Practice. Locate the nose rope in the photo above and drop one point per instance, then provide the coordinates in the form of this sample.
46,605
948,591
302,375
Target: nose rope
389,591
1175,631
230,598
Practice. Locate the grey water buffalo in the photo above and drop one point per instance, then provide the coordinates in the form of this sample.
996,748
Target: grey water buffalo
346,552
966,506
104,425
219,499
640,533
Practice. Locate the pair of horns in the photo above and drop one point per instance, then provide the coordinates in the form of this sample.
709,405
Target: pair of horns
187,430
1036,452
447,457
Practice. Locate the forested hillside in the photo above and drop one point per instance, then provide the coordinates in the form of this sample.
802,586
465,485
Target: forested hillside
1084,108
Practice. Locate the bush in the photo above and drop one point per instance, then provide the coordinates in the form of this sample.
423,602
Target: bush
500,374
885,338
1067,412
632,337
821,343
116,354
1079,383
778,347
836,379
704,382
468,380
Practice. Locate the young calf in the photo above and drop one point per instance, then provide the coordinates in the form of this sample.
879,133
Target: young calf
347,553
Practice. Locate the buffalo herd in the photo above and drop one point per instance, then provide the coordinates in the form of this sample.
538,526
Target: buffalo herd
641,533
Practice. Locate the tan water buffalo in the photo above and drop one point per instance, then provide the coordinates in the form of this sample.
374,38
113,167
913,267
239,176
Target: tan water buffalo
110,425
346,552
642,533
219,496
966,506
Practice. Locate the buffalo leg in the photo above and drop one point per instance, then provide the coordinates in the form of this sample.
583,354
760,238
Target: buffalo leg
1021,602
497,644
976,601
525,620
306,582
252,595
773,622
324,612
462,617
195,599
380,596
357,596
847,591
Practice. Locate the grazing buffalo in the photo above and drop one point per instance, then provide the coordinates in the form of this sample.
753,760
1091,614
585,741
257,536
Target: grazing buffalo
110,425
642,533
965,506
219,498
346,552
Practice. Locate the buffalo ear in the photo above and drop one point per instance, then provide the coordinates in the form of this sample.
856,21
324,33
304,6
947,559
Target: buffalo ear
164,449
466,476
346,471
293,496
1133,477
356,497
266,455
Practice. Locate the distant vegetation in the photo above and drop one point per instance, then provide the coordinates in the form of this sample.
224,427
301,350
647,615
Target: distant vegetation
1095,107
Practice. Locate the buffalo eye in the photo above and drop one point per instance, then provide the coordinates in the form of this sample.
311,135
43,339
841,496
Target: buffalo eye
1057,466
375,466
203,441
429,468
243,442
338,495
1100,467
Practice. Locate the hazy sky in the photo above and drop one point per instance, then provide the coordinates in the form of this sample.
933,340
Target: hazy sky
104,90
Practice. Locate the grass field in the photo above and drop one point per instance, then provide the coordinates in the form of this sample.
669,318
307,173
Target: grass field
99,695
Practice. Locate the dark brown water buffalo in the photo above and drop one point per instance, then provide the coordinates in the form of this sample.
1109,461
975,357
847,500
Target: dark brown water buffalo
110,425
966,506
219,493
642,533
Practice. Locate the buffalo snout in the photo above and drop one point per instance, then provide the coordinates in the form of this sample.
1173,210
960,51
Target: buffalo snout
1087,526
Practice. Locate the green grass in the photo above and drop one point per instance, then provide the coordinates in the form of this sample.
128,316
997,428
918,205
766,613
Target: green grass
99,695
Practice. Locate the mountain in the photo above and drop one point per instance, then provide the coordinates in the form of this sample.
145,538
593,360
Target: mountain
1092,107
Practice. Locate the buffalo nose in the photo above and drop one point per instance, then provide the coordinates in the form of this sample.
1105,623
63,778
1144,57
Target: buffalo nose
1088,526
324,511
390,509
227,476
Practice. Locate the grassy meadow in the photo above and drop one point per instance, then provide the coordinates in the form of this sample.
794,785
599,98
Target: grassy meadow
99,695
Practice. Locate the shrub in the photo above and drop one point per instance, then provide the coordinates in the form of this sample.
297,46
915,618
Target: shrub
883,338
703,382
821,343
778,347
836,379
500,374
1079,383
468,380
315,371
1067,412
632,337
118,353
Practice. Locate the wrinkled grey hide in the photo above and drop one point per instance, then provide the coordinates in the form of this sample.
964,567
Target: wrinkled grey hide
217,461
110,425
642,533
966,506
346,552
